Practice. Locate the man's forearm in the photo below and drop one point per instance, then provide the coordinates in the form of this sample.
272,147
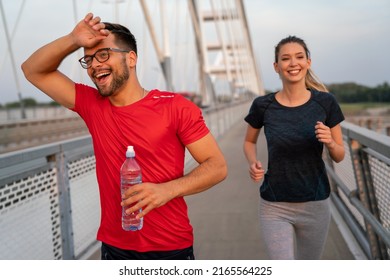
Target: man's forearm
203,177
49,57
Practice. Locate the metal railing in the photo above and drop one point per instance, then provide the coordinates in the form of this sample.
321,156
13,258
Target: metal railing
16,135
361,188
49,199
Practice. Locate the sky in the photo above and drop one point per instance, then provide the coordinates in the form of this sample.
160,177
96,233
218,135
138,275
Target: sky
348,39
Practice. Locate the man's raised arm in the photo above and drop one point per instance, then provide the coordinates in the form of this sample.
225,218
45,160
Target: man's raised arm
41,68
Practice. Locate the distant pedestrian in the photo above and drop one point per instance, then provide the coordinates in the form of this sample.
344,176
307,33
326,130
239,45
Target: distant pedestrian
299,120
119,112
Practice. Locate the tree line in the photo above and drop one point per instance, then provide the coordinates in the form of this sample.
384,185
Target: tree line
344,93
28,102
354,93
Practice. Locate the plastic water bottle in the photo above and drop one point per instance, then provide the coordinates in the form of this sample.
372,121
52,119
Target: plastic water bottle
130,176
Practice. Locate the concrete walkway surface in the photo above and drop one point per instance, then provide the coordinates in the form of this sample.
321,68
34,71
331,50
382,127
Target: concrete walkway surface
225,217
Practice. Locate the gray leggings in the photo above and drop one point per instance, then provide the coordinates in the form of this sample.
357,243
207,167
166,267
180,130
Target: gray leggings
305,222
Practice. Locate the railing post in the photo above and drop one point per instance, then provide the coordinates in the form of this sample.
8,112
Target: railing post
328,160
380,247
64,205
365,189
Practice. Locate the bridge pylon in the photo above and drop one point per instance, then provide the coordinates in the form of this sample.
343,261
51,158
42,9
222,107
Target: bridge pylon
227,64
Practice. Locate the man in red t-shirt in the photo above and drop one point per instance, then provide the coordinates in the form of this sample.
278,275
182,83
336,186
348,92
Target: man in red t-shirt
119,113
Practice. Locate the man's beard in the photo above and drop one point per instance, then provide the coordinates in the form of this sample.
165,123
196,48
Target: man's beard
117,81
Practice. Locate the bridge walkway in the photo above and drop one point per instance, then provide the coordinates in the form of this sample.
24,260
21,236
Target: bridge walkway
225,218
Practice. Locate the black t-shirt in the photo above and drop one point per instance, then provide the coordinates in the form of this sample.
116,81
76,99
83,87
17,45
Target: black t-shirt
296,171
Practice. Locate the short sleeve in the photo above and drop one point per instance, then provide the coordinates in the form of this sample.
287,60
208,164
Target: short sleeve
333,111
255,117
190,124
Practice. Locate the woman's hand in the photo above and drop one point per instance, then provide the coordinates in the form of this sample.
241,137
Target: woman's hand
324,134
256,171
332,139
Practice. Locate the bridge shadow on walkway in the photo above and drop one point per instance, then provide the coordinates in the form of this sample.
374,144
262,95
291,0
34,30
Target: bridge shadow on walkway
225,218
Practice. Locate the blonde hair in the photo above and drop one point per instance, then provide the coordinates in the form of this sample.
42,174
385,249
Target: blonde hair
311,80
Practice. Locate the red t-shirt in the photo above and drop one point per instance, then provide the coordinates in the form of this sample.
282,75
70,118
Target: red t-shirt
159,127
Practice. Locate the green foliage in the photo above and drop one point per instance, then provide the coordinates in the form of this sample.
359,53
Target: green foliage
354,93
344,92
28,103
357,108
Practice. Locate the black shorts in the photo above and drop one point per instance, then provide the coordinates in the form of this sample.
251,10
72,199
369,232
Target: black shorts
112,253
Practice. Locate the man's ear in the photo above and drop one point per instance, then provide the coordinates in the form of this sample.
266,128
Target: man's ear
132,59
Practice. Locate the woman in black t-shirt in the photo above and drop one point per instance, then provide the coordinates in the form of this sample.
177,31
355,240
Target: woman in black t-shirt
298,122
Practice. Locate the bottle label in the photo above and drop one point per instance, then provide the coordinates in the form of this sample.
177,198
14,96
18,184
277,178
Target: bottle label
129,221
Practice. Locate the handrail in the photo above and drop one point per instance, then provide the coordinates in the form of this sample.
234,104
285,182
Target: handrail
56,181
362,200
50,186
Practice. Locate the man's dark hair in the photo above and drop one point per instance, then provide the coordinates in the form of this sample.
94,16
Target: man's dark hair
123,37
